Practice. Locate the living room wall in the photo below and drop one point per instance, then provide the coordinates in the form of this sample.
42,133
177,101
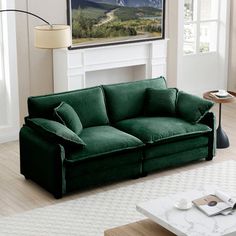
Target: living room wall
35,65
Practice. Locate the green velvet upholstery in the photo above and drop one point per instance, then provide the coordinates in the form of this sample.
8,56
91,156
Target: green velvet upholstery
103,140
126,100
210,120
160,102
49,168
65,114
192,108
167,148
88,166
132,142
155,129
174,160
88,103
55,131
97,176
42,160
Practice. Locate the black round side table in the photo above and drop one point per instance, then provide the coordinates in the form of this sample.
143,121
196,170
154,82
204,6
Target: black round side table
222,138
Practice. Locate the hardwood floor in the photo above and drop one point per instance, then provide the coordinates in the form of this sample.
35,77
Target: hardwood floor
19,195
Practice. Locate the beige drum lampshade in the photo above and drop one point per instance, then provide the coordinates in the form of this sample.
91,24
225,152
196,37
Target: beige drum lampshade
52,36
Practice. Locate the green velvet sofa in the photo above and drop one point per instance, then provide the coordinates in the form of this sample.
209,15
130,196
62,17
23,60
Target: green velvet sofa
120,134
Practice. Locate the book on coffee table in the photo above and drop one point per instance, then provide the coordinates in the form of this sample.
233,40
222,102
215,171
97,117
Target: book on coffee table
214,204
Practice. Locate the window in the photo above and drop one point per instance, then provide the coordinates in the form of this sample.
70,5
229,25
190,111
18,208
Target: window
200,26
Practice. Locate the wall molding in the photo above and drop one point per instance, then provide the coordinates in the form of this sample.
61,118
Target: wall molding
72,67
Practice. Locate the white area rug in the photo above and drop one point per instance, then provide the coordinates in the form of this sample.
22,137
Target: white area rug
90,216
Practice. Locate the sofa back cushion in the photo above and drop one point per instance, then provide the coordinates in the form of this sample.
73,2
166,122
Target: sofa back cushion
88,103
126,100
160,102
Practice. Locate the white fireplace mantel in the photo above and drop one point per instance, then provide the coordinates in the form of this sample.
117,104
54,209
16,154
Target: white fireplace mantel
81,68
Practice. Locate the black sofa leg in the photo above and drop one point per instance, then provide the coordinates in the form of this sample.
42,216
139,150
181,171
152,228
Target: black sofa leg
209,158
58,195
136,177
26,177
144,174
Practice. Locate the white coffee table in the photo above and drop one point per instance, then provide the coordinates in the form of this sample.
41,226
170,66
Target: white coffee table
191,222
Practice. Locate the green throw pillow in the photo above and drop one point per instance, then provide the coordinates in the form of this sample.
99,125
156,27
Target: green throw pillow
192,108
66,114
55,131
160,102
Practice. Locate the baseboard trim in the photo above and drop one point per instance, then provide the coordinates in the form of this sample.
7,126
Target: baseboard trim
8,135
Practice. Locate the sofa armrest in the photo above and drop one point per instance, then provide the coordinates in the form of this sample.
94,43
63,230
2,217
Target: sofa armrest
42,161
210,120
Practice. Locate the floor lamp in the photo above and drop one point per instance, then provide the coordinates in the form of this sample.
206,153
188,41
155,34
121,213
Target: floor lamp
49,35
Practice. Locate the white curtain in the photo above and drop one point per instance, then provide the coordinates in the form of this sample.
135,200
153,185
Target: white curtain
2,81
9,101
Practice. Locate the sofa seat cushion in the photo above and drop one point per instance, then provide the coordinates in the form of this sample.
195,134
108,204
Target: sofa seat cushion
155,129
168,148
101,140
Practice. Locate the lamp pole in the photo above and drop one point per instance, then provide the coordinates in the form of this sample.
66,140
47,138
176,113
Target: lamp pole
48,36
26,12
